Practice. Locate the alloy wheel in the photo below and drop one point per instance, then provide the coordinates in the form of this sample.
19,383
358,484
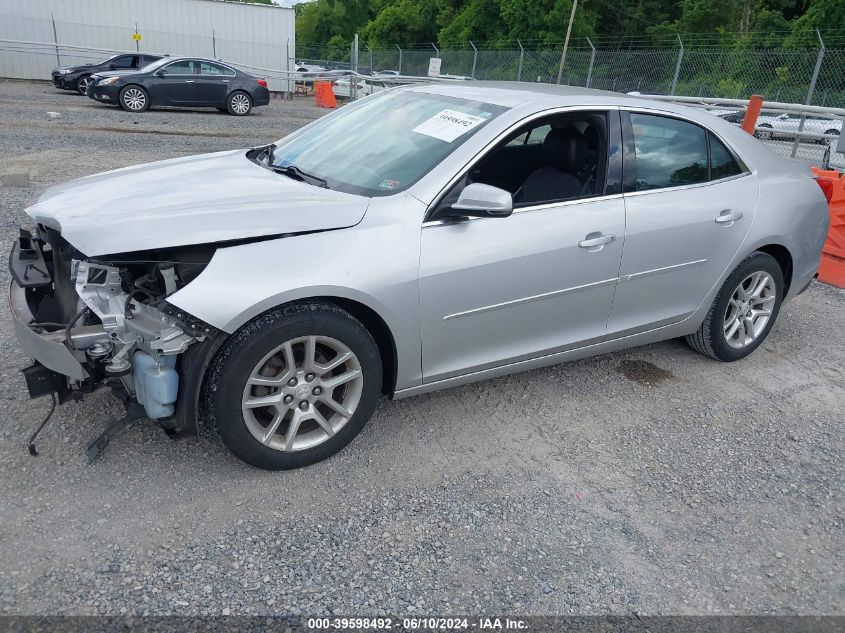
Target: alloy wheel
302,393
82,84
240,103
749,309
134,99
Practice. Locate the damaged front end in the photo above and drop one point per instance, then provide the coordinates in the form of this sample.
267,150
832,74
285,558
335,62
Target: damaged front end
105,322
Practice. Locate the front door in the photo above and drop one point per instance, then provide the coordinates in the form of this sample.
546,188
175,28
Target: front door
494,291
178,85
691,209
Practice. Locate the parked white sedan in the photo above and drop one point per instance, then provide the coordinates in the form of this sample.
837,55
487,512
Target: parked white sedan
342,88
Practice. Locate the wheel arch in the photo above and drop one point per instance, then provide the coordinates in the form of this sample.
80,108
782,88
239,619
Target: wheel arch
784,259
380,332
371,317
236,90
191,403
135,84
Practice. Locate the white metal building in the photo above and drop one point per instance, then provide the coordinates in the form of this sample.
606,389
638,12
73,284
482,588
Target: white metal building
38,35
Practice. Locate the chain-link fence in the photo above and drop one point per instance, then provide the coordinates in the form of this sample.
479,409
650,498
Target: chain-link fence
816,76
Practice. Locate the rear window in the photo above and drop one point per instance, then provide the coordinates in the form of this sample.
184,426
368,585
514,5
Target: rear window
722,162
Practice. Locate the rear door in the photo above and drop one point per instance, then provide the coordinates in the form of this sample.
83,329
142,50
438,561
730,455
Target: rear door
213,84
687,212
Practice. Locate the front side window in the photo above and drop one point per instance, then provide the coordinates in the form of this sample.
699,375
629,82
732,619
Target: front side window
125,61
669,152
385,143
552,159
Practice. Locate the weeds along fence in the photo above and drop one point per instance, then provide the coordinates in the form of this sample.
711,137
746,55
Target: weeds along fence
813,76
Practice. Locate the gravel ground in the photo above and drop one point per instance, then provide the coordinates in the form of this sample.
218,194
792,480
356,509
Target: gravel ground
650,481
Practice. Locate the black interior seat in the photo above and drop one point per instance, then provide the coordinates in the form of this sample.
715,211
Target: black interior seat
564,158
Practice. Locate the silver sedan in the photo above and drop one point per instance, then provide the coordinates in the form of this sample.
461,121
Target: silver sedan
421,238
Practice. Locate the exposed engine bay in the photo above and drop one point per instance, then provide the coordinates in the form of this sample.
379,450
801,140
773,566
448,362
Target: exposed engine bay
105,321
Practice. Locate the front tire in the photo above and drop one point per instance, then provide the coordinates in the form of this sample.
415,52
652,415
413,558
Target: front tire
134,99
82,84
743,312
295,385
239,103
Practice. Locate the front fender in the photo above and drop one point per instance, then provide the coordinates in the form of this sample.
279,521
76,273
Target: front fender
375,263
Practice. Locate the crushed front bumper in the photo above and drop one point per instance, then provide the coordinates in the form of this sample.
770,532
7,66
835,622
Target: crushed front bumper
31,274
48,349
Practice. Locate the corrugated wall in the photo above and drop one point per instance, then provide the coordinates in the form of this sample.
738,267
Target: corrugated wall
248,34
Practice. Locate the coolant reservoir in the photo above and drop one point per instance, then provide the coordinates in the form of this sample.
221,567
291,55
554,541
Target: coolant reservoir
156,386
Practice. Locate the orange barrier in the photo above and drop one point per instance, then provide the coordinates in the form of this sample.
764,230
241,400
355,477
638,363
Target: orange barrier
832,268
324,95
752,113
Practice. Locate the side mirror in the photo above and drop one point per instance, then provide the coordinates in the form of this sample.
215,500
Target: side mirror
162,73
483,201
112,66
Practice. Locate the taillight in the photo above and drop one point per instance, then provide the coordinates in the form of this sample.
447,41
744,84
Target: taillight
261,83
827,188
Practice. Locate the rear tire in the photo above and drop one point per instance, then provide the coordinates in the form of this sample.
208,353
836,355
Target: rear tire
239,103
309,418
134,99
743,312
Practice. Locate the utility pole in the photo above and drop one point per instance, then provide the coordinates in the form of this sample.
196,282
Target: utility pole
566,41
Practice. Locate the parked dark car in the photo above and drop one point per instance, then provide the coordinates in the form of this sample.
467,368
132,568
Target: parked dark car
181,81
78,77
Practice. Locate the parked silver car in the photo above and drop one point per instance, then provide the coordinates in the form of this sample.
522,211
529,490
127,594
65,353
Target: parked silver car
420,238
787,126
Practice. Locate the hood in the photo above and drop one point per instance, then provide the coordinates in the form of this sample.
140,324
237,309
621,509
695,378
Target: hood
192,200
74,69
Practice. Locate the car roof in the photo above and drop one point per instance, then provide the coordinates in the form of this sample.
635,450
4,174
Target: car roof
513,93
176,58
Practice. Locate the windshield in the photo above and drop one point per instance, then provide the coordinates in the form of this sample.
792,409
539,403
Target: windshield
384,144
156,64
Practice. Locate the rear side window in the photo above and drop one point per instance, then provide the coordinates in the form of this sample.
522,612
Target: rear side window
722,162
207,68
669,152
182,67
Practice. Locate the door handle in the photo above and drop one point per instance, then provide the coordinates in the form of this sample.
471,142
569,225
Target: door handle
727,217
189,81
596,241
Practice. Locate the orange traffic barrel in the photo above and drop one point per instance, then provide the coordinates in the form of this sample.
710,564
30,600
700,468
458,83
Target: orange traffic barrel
832,268
324,94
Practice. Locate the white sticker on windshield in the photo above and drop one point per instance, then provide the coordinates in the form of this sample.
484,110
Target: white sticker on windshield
447,125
